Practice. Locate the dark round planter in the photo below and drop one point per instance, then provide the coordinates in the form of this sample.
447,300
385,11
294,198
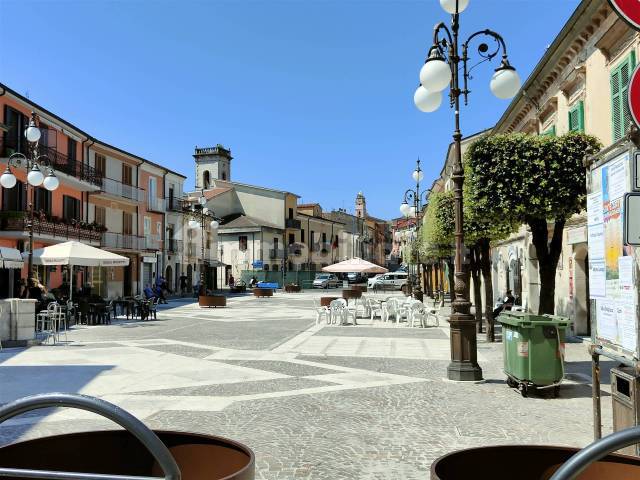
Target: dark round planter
212,301
199,457
526,463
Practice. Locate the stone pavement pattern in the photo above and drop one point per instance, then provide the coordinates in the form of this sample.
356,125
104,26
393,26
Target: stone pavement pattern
313,402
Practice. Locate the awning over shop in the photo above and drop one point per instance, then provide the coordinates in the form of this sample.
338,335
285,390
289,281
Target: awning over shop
213,263
10,258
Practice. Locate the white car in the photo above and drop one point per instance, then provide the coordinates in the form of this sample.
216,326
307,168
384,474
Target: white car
325,280
388,281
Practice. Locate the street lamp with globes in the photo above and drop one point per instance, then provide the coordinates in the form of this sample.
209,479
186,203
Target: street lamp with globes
201,217
442,69
411,207
33,164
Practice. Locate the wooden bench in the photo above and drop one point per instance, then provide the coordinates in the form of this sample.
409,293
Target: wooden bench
212,301
263,292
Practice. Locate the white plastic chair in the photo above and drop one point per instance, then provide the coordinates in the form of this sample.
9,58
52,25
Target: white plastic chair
375,308
335,310
417,313
321,311
46,322
391,308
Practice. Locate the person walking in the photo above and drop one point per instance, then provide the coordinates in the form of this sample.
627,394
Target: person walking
183,284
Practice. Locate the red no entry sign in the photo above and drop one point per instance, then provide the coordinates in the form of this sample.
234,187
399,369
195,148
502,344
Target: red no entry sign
634,96
629,10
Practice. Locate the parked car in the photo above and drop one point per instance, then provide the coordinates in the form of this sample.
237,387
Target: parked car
356,277
325,280
389,281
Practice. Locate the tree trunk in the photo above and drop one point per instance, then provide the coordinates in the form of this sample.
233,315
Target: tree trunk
484,248
428,280
548,253
474,266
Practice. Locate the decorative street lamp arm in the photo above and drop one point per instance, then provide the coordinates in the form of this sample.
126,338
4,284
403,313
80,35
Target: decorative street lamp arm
484,52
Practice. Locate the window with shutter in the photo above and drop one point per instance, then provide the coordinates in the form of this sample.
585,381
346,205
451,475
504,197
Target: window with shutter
620,115
576,117
101,216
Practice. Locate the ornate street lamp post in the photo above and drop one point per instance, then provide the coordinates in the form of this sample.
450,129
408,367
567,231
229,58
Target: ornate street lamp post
200,217
442,69
414,197
33,164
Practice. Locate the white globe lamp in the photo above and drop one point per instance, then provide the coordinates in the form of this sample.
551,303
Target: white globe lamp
435,74
193,224
32,133
427,101
505,82
35,177
404,209
51,182
8,179
417,175
214,224
449,6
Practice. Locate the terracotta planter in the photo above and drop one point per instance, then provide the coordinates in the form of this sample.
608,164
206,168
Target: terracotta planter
212,301
263,292
292,288
351,293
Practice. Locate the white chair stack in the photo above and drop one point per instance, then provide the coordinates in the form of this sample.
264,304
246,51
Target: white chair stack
321,311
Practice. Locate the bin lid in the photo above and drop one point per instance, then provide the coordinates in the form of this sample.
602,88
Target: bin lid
530,320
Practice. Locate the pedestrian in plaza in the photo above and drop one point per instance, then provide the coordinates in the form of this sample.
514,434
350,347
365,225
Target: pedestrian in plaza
183,285
253,282
232,281
506,303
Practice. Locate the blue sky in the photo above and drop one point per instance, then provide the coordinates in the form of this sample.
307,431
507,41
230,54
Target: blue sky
312,96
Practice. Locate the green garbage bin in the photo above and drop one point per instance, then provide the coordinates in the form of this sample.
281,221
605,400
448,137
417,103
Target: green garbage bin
533,350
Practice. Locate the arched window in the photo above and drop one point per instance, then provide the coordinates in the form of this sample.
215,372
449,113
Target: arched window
206,179
224,175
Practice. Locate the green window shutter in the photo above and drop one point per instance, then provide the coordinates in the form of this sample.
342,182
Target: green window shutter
576,118
620,115
551,131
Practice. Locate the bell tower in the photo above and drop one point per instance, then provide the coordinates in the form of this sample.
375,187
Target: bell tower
361,206
212,163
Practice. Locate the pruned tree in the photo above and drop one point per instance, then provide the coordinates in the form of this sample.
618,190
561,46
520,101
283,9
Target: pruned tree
535,180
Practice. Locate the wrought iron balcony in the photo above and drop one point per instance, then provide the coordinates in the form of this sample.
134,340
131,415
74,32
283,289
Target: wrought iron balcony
152,242
173,246
122,241
174,204
155,204
59,161
15,221
292,223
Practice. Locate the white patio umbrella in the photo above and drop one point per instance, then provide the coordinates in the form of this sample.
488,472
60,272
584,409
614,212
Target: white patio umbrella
75,253
356,265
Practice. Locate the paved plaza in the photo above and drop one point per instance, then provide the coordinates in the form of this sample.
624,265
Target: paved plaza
313,402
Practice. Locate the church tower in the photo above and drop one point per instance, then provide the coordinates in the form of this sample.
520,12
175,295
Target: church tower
212,163
361,206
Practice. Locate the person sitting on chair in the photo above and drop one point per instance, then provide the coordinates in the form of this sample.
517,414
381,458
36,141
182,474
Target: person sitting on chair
506,304
149,293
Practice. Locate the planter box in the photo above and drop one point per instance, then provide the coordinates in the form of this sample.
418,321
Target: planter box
292,288
263,292
212,301
351,293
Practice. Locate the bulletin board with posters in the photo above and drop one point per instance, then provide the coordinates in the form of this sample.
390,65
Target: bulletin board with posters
613,266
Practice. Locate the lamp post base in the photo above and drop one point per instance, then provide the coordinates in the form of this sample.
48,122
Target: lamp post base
464,365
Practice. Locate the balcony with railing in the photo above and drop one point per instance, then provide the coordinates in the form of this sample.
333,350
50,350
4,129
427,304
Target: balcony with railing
173,246
58,161
292,223
174,204
16,221
119,189
155,204
122,241
152,242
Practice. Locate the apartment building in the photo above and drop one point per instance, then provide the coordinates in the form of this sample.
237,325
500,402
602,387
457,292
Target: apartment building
108,197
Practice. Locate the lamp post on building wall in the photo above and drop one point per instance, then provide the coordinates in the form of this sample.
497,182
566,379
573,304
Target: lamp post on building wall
201,217
442,69
411,207
33,164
